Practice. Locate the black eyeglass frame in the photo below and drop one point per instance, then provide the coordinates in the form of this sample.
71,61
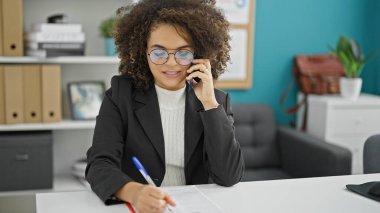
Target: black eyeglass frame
174,54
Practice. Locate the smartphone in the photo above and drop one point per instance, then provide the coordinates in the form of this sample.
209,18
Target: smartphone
196,78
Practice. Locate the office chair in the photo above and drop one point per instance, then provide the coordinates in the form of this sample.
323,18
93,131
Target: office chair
371,155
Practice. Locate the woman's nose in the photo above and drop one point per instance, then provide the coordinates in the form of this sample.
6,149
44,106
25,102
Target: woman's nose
171,60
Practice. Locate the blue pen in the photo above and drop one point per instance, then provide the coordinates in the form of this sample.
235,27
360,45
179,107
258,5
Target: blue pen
143,171
145,174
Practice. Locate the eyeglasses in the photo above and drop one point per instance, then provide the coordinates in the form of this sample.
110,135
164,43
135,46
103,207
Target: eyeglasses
161,56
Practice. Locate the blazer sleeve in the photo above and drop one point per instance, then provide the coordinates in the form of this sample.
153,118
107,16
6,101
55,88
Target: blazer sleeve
222,151
103,170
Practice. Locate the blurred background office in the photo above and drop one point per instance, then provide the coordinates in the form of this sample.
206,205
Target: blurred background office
41,64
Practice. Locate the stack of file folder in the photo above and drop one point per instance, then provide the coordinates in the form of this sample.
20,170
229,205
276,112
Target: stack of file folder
30,93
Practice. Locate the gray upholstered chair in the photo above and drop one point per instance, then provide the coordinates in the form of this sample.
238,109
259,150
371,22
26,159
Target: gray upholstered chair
371,155
279,152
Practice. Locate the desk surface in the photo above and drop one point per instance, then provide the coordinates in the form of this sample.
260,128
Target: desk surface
312,195
325,194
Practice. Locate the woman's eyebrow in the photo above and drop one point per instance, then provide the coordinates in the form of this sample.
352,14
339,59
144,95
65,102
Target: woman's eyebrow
162,47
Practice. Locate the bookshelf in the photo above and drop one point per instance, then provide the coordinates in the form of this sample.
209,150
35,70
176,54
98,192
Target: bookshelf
71,138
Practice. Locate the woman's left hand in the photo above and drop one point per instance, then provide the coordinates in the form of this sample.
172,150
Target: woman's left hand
204,89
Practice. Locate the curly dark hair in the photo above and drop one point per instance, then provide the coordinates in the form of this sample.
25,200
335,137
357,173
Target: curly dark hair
206,25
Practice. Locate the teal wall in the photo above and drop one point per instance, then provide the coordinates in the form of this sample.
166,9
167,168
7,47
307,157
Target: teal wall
371,43
376,73
286,28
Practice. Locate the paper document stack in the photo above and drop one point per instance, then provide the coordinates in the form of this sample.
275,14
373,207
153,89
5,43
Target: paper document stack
55,39
190,199
78,170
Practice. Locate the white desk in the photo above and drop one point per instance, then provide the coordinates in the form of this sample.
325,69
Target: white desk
326,194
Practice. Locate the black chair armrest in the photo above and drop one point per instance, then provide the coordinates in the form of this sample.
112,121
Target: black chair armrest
303,155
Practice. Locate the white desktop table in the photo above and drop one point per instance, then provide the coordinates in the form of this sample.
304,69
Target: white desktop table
322,195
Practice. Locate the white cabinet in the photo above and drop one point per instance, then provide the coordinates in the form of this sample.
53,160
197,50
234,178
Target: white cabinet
344,122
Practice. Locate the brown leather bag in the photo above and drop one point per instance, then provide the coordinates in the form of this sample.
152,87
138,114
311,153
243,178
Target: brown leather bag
318,74
315,74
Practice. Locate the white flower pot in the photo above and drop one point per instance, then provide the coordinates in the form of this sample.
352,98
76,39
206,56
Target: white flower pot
350,87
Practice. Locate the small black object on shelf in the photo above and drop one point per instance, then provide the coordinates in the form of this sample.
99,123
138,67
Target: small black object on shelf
57,19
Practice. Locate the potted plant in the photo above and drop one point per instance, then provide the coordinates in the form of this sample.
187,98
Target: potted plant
106,28
350,54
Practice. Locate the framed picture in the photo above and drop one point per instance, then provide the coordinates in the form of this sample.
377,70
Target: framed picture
85,99
241,15
236,11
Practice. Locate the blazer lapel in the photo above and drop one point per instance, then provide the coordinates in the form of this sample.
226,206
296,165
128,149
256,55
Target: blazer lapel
193,123
148,113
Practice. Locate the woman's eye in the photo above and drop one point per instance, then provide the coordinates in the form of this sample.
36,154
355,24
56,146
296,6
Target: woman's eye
159,53
183,54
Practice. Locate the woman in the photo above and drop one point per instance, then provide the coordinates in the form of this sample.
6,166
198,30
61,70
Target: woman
180,129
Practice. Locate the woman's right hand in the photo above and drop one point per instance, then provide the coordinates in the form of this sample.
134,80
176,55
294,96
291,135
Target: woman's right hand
152,199
145,198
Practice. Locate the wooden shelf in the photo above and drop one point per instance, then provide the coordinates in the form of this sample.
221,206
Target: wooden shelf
61,60
63,125
61,183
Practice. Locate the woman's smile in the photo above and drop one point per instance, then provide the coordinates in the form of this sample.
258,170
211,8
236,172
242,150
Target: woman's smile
172,74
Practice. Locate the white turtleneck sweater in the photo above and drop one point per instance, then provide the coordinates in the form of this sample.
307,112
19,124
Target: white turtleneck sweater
172,110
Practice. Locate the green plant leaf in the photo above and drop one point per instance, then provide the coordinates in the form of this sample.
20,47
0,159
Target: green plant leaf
350,54
360,68
356,50
107,27
343,44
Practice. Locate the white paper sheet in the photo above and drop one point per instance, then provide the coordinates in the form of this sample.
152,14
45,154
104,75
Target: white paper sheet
236,11
237,69
190,199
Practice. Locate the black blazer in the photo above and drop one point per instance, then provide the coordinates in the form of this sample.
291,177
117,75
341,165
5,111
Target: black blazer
129,124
